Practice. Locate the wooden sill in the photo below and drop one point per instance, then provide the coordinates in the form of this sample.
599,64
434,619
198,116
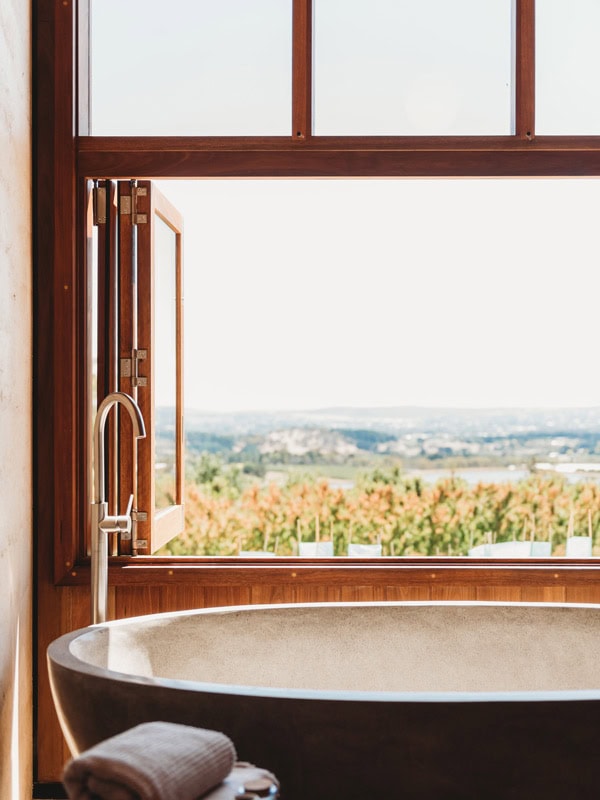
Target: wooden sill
210,571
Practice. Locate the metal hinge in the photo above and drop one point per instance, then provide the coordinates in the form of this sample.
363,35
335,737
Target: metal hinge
140,516
99,204
128,205
136,516
129,368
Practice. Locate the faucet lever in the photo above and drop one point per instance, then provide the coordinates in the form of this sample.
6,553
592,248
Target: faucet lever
126,532
119,523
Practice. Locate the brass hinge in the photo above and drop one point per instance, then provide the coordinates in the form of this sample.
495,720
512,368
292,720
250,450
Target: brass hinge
128,205
129,368
99,204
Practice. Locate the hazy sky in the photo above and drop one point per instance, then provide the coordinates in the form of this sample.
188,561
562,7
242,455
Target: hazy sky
463,293
382,67
315,293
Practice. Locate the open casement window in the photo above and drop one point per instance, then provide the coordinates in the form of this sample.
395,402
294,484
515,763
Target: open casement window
140,303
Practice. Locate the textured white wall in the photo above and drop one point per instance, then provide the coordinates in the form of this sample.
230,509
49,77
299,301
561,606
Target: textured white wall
15,401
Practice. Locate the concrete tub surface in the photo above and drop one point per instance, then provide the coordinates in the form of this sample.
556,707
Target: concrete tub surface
348,700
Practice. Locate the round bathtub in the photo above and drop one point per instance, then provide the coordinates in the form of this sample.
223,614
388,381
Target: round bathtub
358,700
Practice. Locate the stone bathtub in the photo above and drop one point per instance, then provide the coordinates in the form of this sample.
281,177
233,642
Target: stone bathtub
358,700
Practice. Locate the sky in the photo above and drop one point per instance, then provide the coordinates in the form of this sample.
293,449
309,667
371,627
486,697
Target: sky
303,294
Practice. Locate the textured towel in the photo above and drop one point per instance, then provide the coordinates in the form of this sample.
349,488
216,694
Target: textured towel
154,761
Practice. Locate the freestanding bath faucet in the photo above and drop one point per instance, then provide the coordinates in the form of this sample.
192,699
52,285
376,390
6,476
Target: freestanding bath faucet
102,523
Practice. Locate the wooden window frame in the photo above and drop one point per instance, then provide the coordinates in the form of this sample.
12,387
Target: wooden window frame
66,158
123,213
161,525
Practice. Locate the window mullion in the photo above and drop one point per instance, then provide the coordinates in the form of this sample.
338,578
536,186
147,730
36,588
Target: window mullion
302,69
144,369
127,315
525,69
107,334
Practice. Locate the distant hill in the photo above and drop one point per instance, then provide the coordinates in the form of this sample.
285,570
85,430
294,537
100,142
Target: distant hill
485,436
398,420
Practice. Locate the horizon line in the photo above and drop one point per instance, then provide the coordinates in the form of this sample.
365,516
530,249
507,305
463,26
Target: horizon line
392,409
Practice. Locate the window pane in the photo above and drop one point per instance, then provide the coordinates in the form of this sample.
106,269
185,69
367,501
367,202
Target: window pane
165,364
202,68
567,67
405,68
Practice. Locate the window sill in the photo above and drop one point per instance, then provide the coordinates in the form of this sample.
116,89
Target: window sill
409,571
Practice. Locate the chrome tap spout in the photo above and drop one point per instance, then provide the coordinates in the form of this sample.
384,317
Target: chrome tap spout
101,523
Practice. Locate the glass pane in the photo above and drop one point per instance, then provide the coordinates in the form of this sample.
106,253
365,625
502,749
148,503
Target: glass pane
567,67
394,67
202,68
165,364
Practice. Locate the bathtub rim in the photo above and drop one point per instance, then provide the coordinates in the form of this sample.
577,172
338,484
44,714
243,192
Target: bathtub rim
59,653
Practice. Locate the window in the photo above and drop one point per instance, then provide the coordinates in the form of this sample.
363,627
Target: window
298,153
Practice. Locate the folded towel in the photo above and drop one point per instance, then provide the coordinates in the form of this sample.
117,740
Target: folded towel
154,761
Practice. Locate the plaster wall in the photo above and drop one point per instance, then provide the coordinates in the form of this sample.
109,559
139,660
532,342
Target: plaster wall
15,401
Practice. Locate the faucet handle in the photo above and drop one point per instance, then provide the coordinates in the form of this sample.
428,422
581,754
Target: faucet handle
121,523
126,520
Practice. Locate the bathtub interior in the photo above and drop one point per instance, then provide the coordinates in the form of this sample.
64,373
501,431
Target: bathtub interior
396,648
